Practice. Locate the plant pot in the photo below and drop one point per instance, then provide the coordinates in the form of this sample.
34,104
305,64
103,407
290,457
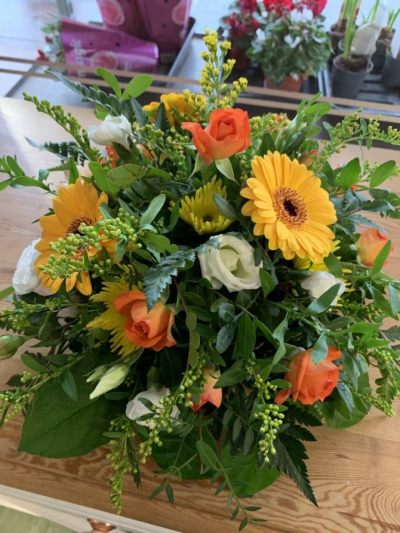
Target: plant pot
122,15
239,55
391,71
336,34
346,83
289,84
378,57
166,23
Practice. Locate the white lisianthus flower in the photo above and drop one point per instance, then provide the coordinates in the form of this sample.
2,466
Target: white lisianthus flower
111,130
231,265
135,408
25,279
292,42
320,282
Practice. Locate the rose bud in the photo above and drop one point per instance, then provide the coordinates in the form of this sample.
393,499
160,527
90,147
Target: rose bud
369,245
9,345
113,378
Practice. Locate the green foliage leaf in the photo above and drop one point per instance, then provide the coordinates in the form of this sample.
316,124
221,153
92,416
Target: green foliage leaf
225,167
350,174
226,312
334,265
207,455
162,122
137,86
110,79
171,367
233,375
100,177
160,276
267,282
64,427
152,211
324,302
225,337
246,337
123,176
380,259
5,293
68,385
320,350
382,173
225,207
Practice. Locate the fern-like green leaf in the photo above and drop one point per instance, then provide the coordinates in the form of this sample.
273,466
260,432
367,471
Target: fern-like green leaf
162,122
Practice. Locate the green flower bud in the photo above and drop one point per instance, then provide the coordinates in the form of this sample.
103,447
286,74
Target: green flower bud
98,373
110,380
9,345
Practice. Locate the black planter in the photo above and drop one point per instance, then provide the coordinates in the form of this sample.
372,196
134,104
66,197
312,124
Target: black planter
391,71
347,84
378,57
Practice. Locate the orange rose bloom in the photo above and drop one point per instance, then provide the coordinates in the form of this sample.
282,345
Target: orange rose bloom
311,382
227,133
148,329
210,394
369,245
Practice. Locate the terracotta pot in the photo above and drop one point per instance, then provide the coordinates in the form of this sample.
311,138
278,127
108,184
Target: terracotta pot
290,84
122,15
166,23
242,61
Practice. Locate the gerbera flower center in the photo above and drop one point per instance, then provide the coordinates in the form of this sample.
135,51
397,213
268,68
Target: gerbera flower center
74,226
289,207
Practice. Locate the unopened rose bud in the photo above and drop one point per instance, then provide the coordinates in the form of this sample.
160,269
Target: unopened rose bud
112,379
9,345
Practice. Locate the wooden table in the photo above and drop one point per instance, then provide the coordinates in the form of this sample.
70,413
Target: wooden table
355,473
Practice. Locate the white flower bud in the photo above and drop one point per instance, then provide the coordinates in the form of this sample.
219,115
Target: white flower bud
111,130
112,379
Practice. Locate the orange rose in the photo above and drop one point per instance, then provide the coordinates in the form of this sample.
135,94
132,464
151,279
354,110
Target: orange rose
311,382
306,159
112,157
148,329
227,133
369,245
210,394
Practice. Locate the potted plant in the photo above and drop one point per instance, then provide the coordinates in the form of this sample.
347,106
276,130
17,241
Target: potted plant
385,39
240,26
349,70
290,46
338,29
391,70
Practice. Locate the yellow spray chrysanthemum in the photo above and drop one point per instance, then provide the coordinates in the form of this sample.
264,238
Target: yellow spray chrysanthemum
305,263
201,212
111,320
289,207
177,108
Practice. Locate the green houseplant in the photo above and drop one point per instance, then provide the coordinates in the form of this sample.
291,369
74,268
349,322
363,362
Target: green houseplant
349,70
290,48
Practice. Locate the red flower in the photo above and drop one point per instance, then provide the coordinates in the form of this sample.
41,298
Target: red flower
282,7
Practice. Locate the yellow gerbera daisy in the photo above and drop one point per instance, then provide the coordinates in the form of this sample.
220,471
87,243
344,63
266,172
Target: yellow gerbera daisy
110,320
305,263
201,212
176,107
289,207
75,204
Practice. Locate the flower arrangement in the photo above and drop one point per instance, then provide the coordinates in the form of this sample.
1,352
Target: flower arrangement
206,295
291,44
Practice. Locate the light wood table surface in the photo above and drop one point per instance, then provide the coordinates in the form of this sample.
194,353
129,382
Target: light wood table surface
355,473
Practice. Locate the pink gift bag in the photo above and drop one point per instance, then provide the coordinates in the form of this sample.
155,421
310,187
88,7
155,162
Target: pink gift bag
122,15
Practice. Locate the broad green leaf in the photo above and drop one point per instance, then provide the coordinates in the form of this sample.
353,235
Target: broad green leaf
110,79
73,172
63,428
137,86
394,299
225,167
350,174
68,385
267,282
324,302
26,181
233,375
122,177
334,265
194,344
5,293
246,337
380,259
320,350
32,363
225,207
225,337
279,332
226,312
382,173
152,211
191,321
100,177
207,455
248,440
266,332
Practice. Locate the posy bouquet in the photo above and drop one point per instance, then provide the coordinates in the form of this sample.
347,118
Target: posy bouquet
205,292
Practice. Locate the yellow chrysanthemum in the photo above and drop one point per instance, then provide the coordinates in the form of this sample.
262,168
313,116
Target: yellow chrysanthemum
289,207
201,212
305,263
110,320
176,107
75,204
